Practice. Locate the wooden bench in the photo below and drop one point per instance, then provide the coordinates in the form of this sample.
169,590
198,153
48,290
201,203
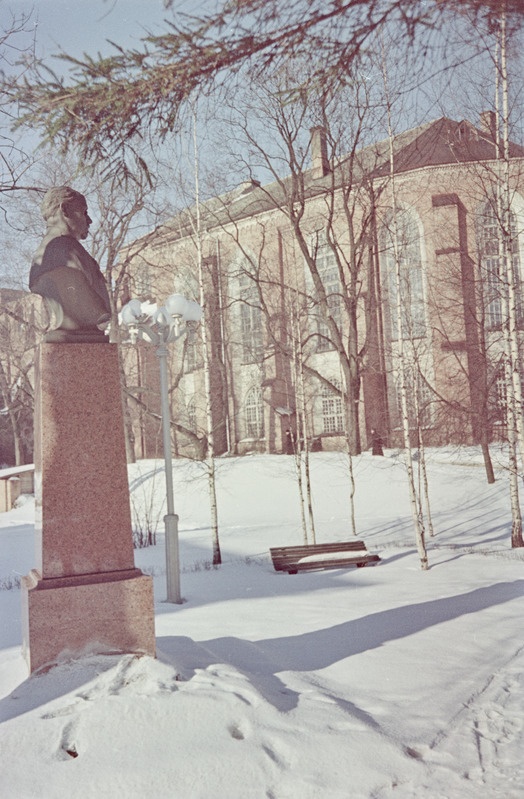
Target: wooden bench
321,556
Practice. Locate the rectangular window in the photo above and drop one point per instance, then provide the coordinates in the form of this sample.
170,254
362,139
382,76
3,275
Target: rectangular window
193,359
493,266
332,410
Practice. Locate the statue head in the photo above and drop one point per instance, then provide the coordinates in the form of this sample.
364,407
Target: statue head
65,275
65,209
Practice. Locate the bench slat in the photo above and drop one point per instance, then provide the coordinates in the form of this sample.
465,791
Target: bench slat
336,563
301,558
311,549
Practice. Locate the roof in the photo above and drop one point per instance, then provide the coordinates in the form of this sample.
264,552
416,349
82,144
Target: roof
436,143
446,141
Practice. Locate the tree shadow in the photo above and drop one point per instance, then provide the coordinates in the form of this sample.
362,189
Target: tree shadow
263,660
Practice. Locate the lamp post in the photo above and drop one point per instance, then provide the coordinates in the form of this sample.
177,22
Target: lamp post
160,327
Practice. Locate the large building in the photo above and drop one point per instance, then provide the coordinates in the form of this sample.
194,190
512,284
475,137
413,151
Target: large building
314,286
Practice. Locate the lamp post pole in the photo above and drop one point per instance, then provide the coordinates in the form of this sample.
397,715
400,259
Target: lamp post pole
161,326
170,519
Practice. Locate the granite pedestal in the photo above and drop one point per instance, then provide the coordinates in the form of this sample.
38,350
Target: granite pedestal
85,594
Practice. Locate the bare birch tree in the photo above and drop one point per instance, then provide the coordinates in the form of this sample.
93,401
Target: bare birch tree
204,331
400,312
509,292
328,208
302,437
20,327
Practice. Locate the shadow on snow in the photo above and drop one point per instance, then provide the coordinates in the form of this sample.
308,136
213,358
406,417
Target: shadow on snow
262,660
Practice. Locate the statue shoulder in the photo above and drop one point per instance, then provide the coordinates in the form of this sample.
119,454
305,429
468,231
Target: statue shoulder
66,251
61,251
53,252
58,248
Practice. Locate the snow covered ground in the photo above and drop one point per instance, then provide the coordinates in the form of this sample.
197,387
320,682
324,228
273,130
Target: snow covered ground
351,683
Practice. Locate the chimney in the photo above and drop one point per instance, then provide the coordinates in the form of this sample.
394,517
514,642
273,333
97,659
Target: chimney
319,156
488,124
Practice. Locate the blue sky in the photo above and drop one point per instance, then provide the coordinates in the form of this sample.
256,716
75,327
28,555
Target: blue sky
78,26
85,26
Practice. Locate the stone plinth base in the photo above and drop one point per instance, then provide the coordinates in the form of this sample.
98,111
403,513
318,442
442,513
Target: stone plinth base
103,613
83,518
85,595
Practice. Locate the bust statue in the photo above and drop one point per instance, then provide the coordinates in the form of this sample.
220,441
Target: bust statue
66,276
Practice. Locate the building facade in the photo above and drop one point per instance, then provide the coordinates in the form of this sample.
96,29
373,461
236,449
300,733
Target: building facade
313,296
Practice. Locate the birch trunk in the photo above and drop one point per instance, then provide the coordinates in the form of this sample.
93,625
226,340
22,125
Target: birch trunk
352,485
352,489
508,234
300,412
508,296
423,472
416,515
298,464
210,454
303,437
516,515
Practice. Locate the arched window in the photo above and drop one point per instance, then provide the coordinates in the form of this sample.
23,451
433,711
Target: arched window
254,413
251,328
401,240
332,411
492,264
327,268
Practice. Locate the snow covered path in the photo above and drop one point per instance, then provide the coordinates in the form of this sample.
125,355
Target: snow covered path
346,684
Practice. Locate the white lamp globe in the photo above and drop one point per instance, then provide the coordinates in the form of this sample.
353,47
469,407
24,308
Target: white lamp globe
136,305
193,312
176,305
130,312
